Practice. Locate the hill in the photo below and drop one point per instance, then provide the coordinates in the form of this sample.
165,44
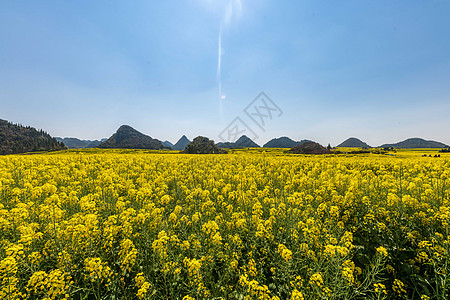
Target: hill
16,138
225,145
95,143
283,142
243,142
416,143
181,144
309,148
127,137
75,143
353,143
167,144
203,145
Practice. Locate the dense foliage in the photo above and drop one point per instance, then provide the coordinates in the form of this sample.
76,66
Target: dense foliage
16,138
203,145
309,148
82,225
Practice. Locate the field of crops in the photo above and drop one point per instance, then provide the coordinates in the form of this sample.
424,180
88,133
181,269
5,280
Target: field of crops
246,225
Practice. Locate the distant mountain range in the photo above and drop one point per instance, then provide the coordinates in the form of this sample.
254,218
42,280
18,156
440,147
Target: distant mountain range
74,143
416,143
353,142
246,142
127,137
167,144
283,142
16,138
181,144
243,142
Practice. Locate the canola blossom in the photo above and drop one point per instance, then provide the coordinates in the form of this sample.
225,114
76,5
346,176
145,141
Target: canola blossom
247,225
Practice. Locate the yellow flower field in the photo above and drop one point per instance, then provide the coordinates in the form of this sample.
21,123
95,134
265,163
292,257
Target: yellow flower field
247,225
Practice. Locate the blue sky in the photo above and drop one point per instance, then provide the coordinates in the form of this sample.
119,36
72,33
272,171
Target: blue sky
377,70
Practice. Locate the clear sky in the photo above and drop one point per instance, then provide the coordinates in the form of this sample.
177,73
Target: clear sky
376,70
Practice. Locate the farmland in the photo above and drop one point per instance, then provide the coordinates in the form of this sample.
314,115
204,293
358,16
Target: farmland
252,224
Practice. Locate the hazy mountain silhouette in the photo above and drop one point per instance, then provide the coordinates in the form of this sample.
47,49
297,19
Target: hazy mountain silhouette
167,144
95,143
75,143
181,144
16,138
416,143
243,142
127,137
353,142
283,142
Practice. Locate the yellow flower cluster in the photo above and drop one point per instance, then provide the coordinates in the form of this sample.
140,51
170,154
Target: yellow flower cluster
128,255
193,267
348,269
142,285
54,285
256,290
160,245
8,280
130,224
381,250
316,279
399,287
97,271
285,253
380,288
297,295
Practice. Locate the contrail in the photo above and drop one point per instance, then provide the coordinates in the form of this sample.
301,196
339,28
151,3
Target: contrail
234,7
219,73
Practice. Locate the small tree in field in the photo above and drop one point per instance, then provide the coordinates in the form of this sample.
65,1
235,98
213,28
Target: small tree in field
202,145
